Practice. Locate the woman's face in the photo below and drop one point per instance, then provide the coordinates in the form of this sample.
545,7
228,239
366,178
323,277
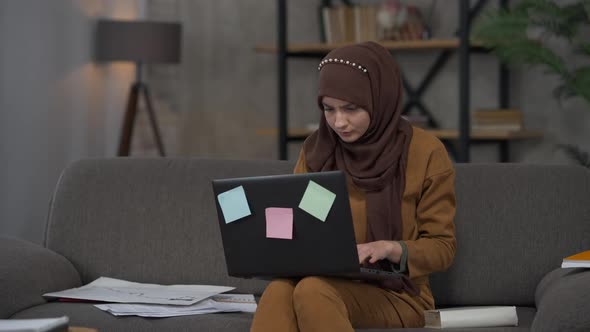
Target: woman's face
348,120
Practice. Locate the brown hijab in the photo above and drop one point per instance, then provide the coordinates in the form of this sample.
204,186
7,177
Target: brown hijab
366,75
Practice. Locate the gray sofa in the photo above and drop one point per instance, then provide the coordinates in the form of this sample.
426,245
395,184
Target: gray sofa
154,220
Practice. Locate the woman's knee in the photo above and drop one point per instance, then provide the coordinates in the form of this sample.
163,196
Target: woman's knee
282,282
280,286
313,288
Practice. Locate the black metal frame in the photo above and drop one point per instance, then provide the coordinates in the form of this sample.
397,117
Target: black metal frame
282,77
461,149
464,88
415,94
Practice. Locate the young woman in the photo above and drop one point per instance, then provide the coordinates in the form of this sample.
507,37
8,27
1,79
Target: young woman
401,187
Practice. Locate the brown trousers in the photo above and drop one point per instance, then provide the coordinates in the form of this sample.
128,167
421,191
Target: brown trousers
330,304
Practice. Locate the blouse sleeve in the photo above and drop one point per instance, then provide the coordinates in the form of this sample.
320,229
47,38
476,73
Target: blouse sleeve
300,167
435,247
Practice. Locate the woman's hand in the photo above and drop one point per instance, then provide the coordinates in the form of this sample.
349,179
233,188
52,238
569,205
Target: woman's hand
375,251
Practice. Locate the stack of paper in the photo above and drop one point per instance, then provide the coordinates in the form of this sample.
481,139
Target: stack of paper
150,300
35,325
219,303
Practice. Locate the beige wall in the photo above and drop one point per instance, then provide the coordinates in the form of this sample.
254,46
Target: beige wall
56,105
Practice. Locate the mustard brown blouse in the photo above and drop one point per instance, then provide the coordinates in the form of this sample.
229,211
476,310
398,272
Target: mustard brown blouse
428,212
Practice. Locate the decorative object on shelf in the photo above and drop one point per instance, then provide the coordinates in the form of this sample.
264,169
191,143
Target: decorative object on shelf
388,20
397,21
142,42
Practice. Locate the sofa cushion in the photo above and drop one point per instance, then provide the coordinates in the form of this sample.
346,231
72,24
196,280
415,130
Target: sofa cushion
27,271
147,220
86,315
514,224
563,301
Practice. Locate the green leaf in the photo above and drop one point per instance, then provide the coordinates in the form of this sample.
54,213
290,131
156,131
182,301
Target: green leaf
531,53
563,91
580,82
500,27
584,49
560,20
576,153
536,5
505,31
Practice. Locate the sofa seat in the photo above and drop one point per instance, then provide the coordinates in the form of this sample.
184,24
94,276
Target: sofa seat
85,314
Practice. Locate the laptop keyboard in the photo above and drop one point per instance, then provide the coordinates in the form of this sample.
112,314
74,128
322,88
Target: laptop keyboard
376,271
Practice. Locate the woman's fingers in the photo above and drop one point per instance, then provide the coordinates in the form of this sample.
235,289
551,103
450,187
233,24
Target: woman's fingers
363,252
366,253
363,258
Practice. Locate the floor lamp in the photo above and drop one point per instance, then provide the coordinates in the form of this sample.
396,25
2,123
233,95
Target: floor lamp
142,42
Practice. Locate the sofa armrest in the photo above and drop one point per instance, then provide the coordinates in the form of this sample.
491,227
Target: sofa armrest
563,301
27,271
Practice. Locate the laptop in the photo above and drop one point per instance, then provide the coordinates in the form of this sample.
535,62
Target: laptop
315,247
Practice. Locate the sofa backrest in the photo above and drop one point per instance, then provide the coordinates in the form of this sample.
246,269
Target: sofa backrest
147,220
154,220
514,223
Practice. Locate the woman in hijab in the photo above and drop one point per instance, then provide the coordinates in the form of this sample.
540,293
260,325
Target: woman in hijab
401,187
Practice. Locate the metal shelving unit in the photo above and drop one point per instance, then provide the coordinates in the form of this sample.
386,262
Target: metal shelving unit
458,142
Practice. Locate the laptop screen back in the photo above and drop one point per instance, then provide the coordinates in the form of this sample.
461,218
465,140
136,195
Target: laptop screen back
315,247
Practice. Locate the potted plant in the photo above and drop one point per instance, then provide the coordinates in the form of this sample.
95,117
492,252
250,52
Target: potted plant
525,35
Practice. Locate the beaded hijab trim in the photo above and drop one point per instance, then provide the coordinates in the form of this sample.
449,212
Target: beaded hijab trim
342,61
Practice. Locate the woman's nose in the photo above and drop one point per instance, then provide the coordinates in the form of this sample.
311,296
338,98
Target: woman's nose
341,121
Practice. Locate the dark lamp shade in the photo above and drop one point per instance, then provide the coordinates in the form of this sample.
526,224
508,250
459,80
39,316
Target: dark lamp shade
138,41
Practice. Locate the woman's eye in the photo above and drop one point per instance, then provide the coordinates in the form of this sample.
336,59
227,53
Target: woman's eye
327,109
352,108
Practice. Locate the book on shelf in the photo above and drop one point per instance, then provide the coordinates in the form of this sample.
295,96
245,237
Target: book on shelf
581,259
498,114
500,119
468,317
497,127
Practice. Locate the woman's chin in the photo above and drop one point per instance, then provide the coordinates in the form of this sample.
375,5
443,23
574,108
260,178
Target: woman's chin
348,138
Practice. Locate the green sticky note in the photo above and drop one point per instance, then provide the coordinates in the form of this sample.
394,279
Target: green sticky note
317,201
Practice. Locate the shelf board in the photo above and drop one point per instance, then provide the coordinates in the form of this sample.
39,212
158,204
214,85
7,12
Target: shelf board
443,134
485,135
322,48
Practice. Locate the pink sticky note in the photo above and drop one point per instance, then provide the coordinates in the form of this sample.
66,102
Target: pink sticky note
279,223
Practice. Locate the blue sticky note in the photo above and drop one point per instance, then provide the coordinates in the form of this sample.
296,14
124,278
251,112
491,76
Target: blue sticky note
234,204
